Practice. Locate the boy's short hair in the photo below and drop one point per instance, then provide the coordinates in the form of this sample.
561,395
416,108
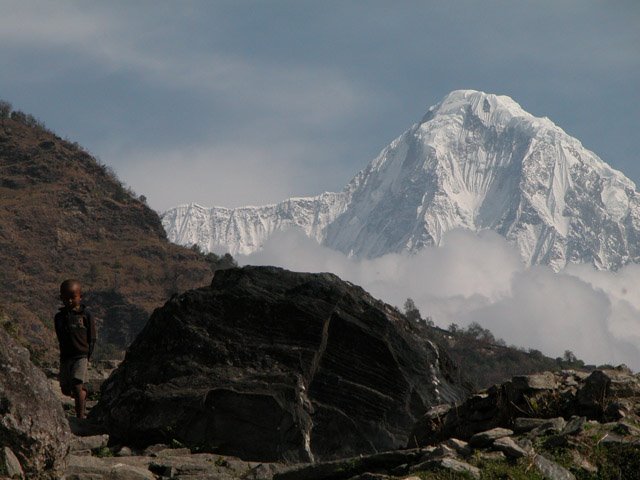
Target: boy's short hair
67,284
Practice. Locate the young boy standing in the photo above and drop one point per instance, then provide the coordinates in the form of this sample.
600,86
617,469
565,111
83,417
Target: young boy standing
76,331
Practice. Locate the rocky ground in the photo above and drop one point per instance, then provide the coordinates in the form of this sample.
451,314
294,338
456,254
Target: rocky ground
93,457
600,440
358,360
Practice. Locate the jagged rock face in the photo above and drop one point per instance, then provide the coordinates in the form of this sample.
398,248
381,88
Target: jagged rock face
267,364
521,403
475,161
32,422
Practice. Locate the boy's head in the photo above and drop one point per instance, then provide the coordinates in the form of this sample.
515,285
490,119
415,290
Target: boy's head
71,293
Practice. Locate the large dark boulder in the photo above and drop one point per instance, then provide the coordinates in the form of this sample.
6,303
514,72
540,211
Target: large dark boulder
32,423
268,364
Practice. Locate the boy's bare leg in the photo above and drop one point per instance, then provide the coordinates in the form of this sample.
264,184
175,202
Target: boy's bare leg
80,396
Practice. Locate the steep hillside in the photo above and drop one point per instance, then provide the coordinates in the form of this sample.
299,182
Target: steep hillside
63,214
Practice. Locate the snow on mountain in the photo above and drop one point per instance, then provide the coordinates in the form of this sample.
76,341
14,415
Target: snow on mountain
244,230
475,161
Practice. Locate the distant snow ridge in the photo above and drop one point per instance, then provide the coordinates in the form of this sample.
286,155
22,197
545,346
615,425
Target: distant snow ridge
475,161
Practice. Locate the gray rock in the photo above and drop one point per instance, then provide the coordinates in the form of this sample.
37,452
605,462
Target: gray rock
9,464
574,425
459,446
83,476
551,425
626,428
32,422
152,450
551,470
618,409
483,439
526,424
111,468
582,463
602,385
173,452
89,443
448,464
538,381
442,450
613,439
269,365
124,452
509,447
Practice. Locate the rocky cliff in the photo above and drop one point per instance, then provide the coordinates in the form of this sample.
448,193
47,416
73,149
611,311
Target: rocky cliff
267,364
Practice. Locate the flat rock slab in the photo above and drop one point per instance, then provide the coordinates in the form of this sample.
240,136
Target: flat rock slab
89,443
574,426
448,464
551,425
486,438
526,424
551,470
459,446
109,468
509,447
539,381
177,467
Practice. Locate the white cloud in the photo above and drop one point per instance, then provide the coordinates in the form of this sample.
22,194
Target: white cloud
227,175
479,277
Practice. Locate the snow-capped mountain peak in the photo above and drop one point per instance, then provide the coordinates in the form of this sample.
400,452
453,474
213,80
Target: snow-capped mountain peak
476,161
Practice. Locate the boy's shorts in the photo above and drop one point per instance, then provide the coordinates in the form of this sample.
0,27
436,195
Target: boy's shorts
73,371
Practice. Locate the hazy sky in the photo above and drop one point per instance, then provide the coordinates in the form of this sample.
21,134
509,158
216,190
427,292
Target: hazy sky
233,102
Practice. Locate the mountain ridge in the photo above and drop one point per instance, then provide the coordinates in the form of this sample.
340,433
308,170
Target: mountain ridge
476,161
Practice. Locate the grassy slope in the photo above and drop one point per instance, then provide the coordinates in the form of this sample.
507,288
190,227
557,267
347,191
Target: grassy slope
62,214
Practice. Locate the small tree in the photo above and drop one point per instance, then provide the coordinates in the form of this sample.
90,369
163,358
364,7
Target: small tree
411,311
475,330
5,109
569,357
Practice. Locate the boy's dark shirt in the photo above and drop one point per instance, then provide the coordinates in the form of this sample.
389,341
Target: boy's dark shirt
76,331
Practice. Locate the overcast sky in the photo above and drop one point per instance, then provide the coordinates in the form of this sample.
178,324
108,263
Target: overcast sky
231,102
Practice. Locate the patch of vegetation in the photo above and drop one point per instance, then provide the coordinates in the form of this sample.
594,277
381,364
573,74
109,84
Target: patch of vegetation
617,461
102,452
503,470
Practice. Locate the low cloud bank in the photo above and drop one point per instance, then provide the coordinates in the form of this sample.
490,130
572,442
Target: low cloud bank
479,277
